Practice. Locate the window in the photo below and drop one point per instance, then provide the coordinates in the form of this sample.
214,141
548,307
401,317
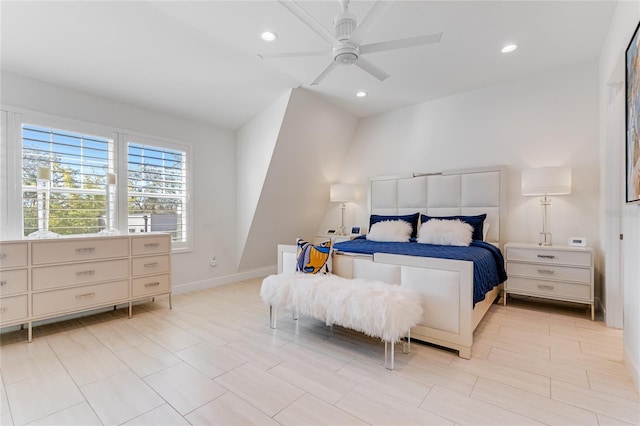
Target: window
157,193
78,167
152,179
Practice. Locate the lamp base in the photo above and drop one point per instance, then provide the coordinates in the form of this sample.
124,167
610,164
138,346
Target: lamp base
545,239
41,234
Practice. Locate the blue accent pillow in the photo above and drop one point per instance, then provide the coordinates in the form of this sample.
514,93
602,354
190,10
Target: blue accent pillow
411,218
477,222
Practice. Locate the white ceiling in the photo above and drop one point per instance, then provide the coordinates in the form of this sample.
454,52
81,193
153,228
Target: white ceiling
198,59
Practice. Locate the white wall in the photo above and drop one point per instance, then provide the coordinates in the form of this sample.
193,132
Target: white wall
546,119
213,168
623,24
308,156
256,141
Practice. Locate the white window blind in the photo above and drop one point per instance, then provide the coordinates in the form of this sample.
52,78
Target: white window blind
157,189
79,164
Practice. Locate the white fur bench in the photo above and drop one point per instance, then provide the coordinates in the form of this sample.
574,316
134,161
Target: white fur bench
375,308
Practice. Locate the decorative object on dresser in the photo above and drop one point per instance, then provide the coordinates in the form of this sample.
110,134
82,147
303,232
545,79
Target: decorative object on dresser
342,193
546,181
110,201
44,279
558,272
43,192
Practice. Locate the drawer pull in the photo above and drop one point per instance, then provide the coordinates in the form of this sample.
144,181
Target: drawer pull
3,282
152,284
83,273
545,287
83,295
546,256
85,250
546,271
3,309
151,265
3,255
150,245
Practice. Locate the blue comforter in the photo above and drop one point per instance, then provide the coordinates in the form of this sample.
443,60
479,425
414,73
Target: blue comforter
488,263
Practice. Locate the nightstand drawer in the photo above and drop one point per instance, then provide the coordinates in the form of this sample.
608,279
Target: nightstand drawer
550,289
50,277
550,272
12,282
550,256
13,255
13,308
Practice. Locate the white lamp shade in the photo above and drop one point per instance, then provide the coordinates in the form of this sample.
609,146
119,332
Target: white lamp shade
342,193
546,181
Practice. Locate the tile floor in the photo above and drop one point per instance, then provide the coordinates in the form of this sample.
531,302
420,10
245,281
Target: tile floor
214,360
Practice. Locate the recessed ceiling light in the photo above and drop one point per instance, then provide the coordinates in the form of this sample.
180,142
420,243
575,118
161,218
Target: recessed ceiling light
509,48
269,36
361,94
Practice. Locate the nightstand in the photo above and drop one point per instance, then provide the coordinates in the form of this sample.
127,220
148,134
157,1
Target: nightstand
551,272
333,237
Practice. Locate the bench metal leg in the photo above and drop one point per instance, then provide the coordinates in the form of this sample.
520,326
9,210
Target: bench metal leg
386,355
406,345
272,316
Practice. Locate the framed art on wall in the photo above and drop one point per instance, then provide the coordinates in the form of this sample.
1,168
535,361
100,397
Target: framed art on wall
632,91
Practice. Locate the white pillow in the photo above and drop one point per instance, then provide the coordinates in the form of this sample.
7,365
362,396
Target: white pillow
445,232
390,231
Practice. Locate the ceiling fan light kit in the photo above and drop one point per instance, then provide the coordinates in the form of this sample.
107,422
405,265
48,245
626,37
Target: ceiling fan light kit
346,42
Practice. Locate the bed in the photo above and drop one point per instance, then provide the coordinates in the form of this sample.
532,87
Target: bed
445,281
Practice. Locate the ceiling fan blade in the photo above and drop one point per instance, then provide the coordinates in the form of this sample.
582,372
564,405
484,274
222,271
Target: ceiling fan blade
302,14
372,69
379,9
324,73
292,54
401,43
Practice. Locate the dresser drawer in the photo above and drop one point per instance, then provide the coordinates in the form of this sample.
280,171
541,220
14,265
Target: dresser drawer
550,289
49,277
149,265
553,272
13,308
12,282
78,250
148,286
13,255
150,245
79,298
556,257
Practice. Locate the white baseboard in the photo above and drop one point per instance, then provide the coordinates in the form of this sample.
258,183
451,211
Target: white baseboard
227,279
633,368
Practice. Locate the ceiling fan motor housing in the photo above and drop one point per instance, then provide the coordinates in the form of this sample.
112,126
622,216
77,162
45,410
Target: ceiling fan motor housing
347,54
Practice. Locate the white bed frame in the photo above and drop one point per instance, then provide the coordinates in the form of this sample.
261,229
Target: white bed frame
446,285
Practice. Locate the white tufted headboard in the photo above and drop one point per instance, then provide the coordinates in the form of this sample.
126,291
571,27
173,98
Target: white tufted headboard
454,192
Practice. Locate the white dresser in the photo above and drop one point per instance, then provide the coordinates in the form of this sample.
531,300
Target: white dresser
551,272
42,279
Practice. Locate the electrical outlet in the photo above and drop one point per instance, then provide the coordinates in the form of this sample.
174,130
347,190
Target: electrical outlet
213,261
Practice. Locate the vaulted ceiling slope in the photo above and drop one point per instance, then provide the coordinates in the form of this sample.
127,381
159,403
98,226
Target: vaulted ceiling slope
199,60
291,174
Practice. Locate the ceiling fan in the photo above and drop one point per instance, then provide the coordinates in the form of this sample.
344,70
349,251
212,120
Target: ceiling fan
346,44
